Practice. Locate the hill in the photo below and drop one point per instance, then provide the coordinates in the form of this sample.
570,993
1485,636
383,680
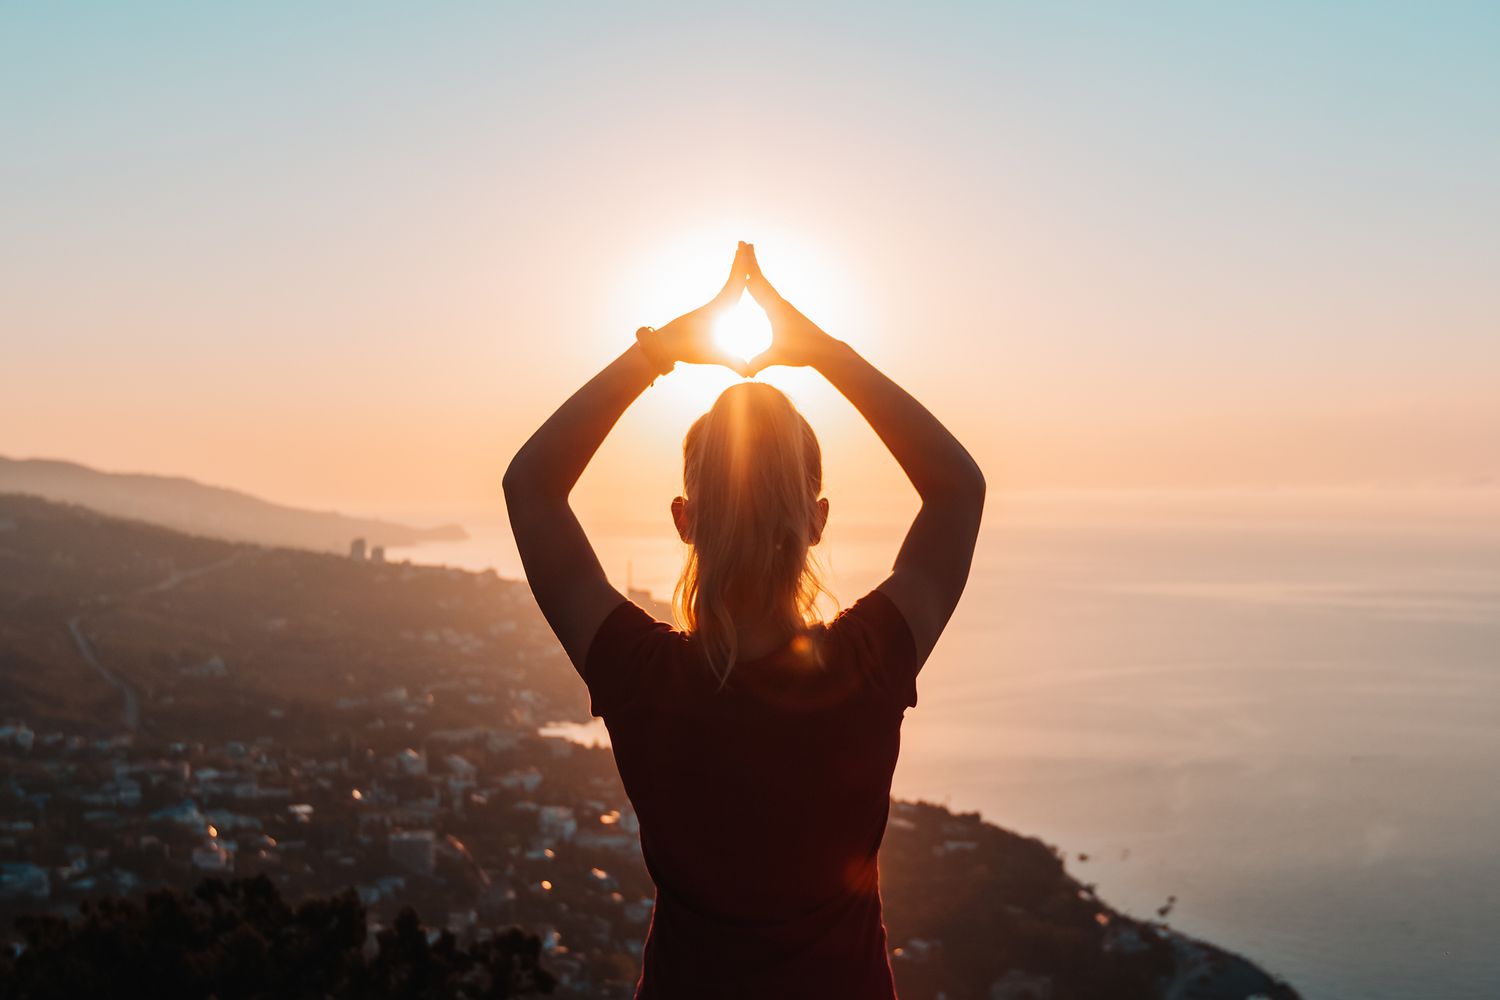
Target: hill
205,510
181,706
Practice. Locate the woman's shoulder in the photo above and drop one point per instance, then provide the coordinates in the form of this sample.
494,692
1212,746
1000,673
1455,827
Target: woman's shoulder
874,636
873,613
631,628
628,643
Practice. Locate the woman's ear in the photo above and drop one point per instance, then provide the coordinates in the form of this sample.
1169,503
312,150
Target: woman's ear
682,519
820,521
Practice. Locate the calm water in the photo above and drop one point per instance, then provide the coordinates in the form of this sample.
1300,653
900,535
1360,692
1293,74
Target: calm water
1282,708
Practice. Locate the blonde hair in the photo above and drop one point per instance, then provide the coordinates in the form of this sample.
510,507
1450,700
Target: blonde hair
752,475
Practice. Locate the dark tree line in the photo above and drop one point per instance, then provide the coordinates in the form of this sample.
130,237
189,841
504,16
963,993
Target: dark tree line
240,940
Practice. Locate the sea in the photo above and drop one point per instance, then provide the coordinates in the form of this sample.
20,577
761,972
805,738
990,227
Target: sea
1271,715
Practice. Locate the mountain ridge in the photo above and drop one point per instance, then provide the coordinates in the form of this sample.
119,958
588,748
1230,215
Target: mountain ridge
188,505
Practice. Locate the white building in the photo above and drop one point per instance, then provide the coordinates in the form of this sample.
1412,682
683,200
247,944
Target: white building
557,822
410,762
528,780
414,850
24,881
213,857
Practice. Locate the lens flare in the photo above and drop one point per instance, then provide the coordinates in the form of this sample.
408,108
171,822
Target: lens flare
743,331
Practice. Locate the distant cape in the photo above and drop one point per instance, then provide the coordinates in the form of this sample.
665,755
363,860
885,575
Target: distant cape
200,509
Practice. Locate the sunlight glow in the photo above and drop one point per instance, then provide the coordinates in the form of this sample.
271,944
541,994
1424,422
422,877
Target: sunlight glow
744,330
688,267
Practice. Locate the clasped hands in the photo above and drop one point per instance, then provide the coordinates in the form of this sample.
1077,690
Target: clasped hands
795,340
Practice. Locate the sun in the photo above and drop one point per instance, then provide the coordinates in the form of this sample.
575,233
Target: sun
744,330
685,271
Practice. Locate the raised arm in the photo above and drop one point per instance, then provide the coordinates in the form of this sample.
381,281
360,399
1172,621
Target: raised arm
565,575
933,563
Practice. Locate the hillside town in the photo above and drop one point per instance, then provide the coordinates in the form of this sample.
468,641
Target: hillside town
476,828
180,708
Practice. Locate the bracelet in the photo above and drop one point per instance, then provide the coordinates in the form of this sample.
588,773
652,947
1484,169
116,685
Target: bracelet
641,336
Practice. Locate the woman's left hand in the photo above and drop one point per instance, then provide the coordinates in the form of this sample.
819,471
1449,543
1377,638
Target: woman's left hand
690,337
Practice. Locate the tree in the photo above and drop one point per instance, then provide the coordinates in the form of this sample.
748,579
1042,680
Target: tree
240,940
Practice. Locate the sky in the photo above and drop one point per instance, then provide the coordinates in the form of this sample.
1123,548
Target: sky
351,255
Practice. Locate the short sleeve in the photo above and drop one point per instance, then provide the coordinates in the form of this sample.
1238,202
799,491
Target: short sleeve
627,641
875,634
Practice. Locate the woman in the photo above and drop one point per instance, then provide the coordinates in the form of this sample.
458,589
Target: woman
756,746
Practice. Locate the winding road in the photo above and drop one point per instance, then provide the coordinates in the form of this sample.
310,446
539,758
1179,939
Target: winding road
131,712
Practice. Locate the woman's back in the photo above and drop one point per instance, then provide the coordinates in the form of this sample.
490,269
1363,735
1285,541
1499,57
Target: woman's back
762,805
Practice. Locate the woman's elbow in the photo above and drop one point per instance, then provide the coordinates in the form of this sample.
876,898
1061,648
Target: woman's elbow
527,478
518,475
956,494
957,503
964,482
974,484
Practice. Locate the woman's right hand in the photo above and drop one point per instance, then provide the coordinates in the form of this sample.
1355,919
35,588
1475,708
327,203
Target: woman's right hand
690,337
795,340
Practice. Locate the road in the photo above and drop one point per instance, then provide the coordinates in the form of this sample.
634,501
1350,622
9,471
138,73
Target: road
131,711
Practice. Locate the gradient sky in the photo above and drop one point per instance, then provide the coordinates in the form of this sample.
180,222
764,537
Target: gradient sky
352,254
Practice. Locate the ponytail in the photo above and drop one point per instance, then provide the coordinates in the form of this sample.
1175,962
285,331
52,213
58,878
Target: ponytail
752,475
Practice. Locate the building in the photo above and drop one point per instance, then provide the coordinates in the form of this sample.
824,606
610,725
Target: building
24,881
357,550
410,763
214,856
414,850
557,822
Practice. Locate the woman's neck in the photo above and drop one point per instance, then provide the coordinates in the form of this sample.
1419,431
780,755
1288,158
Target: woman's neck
761,633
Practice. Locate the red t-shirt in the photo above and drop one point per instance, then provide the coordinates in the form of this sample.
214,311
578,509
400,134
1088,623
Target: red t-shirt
762,805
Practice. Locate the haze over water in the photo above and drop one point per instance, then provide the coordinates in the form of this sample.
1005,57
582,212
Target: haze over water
1281,707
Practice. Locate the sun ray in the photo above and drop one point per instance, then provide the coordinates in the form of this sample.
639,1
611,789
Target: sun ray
744,330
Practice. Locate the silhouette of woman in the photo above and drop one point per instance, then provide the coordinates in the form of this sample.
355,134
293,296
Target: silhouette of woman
756,745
